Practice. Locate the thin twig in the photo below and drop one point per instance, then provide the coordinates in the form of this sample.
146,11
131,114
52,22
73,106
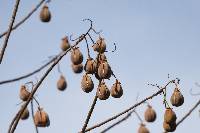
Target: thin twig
9,30
117,123
32,113
44,76
31,73
13,121
187,114
129,109
24,19
89,114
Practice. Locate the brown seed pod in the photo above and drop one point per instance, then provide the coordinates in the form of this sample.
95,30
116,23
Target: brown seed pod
169,116
169,127
41,118
150,114
62,83
116,90
76,56
77,68
90,66
65,44
104,70
103,92
45,14
177,98
25,114
143,129
101,57
24,93
87,84
100,45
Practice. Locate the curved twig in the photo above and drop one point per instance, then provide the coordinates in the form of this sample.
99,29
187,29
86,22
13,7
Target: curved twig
31,73
24,19
9,30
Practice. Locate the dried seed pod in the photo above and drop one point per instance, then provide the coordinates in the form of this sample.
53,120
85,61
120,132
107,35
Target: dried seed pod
77,68
143,129
116,90
65,44
102,57
25,114
150,114
104,70
90,66
41,118
169,116
103,92
62,83
100,45
76,56
24,93
169,127
177,98
45,14
87,84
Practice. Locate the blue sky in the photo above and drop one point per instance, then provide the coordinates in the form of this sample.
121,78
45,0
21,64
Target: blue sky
153,37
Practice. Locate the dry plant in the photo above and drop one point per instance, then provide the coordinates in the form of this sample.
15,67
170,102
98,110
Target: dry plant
100,69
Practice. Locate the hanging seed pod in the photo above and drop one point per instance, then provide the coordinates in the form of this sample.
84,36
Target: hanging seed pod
41,118
87,84
100,45
25,114
76,56
45,14
169,127
90,66
143,129
77,68
104,70
169,116
62,84
103,92
65,44
102,57
24,93
177,98
116,90
150,114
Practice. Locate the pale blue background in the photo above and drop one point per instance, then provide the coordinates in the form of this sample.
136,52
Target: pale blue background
154,38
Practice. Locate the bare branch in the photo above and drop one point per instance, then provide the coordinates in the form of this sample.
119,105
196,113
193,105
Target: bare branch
89,114
9,30
24,19
44,76
188,114
31,73
130,108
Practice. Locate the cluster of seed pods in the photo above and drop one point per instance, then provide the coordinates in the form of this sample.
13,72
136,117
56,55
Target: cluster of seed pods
41,118
176,100
102,70
99,67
